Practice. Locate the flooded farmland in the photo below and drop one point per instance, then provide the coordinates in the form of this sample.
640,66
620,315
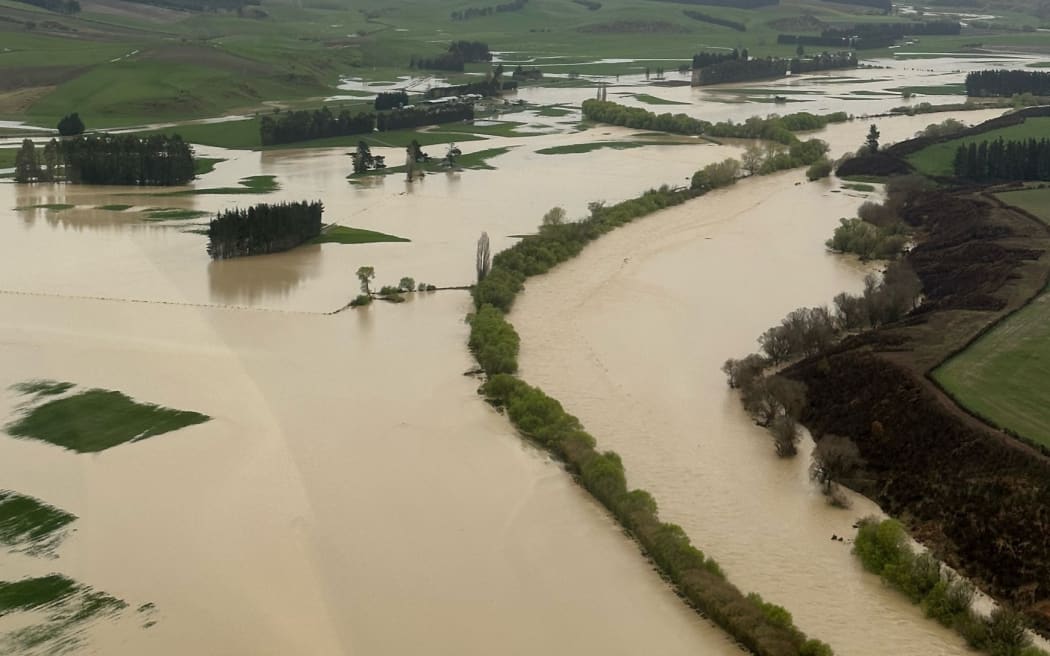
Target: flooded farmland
352,493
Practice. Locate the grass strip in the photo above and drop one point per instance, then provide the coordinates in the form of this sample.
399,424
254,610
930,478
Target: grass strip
337,234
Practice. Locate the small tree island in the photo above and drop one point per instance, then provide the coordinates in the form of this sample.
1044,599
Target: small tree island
263,229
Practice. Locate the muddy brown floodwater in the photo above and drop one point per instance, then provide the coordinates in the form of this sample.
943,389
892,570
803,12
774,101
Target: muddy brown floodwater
352,495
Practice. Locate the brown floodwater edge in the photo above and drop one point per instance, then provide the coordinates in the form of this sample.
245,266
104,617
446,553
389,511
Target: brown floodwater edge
987,514
762,628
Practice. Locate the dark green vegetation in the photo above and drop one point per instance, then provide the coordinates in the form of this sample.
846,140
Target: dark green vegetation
715,20
263,229
871,35
43,387
70,125
30,525
883,549
117,207
653,100
57,6
337,234
61,607
1007,83
95,420
107,160
54,207
761,627
743,70
296,126
204,165
1000,161
598,145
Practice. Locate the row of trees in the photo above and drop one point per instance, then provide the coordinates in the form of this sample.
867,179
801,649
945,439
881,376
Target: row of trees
883,549
70,125
304,125
706,58
741,70
470,51
263,228
1007,83
1003,160
158,160
492,86
478,12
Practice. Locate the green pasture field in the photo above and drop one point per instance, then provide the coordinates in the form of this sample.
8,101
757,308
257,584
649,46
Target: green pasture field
95,420
1005,376
938,158
1034,201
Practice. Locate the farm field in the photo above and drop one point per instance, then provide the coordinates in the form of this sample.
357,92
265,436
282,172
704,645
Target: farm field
1003,376
1034,201
937,159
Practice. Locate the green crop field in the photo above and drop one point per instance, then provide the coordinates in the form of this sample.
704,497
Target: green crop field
1005,376
337,234
938,159
1034,201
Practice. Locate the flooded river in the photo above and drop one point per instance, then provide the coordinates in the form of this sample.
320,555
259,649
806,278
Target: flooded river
352,494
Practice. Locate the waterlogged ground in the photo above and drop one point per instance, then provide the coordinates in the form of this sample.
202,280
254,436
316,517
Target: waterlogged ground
351,493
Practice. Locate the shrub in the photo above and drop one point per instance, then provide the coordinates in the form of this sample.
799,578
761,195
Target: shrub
360,300
493,341
819,169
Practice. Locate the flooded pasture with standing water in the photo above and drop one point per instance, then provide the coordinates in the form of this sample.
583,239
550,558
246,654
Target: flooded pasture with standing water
351,493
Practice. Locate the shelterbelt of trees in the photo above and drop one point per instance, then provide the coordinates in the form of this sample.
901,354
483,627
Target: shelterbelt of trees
1004,160
304,125
107,160
263,229
761,627
1007,83
776,128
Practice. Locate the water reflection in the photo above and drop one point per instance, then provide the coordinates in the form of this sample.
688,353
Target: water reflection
262,278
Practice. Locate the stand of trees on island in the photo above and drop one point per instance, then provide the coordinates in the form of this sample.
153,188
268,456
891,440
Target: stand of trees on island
263,228
1007,83
158,160
304,125
743,69
1004,160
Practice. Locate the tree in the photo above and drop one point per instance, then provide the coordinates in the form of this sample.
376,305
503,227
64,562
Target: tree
483,262
362,157
407,284
834,459
27,167
752,159
554,216
872,140
366,274
71,125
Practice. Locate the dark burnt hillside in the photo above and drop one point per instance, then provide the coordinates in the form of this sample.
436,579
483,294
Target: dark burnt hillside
977,496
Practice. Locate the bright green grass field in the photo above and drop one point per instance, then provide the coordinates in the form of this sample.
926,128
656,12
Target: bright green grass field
938,159
28,523
1005,376
338,234
1035,201
95,420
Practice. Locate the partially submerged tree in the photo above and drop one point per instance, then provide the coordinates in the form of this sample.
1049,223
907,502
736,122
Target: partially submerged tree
834,459
366,275
483,261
